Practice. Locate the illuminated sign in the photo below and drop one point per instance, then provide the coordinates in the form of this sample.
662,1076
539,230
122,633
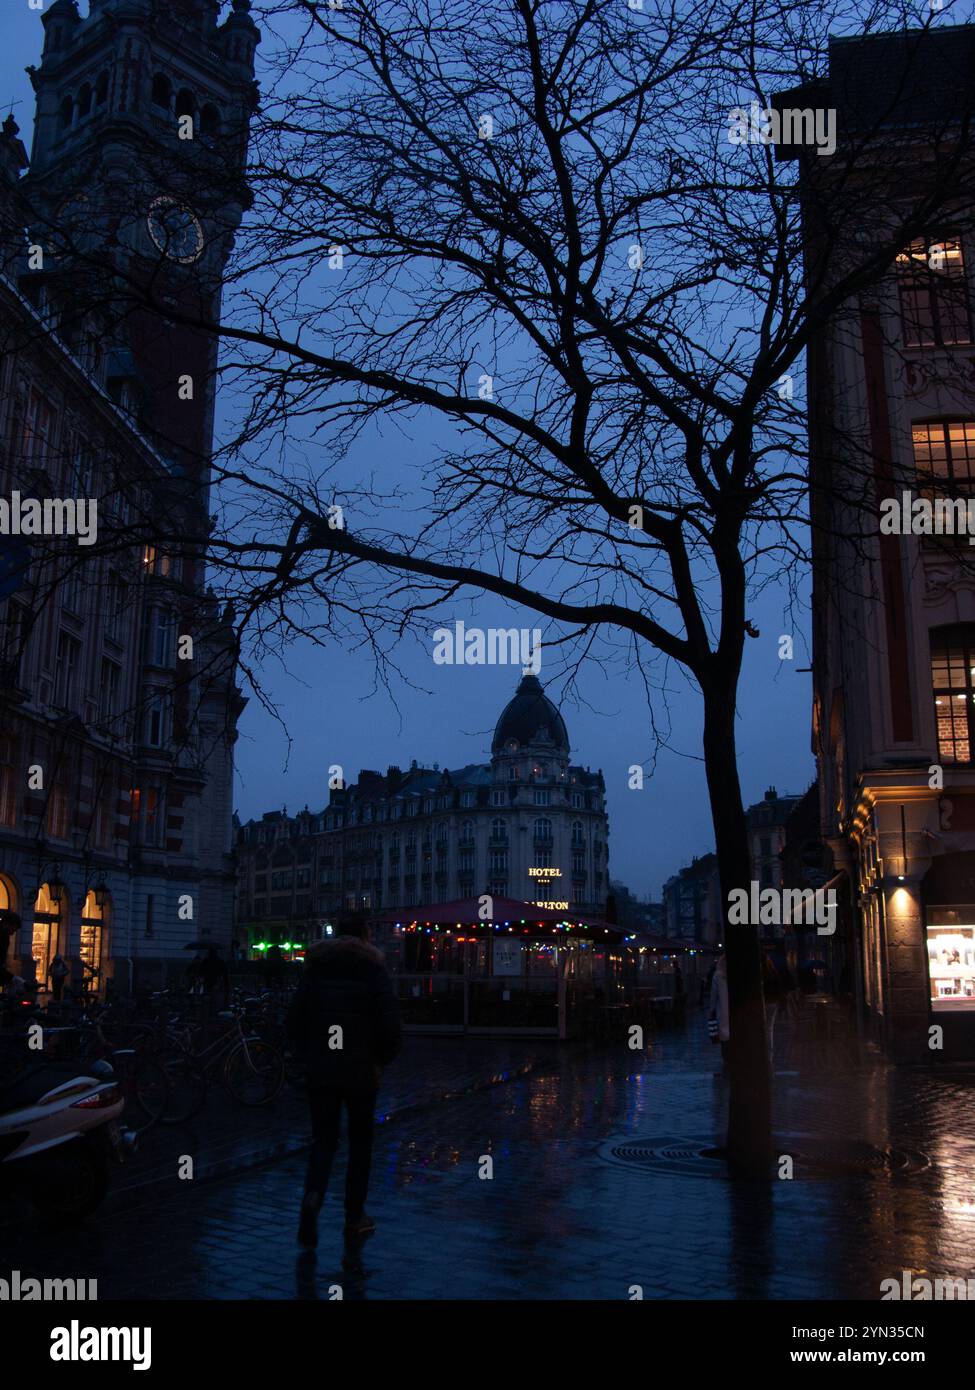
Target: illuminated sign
558,907
544,873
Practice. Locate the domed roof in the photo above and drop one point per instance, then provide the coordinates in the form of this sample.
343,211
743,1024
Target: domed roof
530,718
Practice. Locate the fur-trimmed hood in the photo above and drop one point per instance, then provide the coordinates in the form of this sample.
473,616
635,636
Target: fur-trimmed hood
335,949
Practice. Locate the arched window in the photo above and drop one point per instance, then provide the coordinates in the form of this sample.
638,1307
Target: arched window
210,120
162,91
543,830
66,112
84,101
467,830
499,828
577,836
185,104
101,90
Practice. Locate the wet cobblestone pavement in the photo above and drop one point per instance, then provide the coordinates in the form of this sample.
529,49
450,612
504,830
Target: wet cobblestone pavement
567,1215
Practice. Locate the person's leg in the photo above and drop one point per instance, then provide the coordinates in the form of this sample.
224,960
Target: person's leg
325,1104
326,1107
361,1107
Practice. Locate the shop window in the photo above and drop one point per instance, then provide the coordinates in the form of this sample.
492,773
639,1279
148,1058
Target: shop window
933,293
951,957
952,658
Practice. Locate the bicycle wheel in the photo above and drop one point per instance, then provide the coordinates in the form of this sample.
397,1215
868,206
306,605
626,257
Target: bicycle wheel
254,1072
144,1085
187,1087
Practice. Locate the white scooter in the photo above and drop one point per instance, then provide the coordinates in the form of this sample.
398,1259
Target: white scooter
59,1131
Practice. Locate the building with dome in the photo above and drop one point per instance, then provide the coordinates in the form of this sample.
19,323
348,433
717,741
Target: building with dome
528,825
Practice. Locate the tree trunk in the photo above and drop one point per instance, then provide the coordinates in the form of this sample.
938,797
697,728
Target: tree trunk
749,1143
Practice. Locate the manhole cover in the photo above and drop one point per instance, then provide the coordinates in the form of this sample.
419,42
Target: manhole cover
812,1157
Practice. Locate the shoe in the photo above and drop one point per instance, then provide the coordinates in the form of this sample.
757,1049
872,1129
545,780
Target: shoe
308,1223
361,1226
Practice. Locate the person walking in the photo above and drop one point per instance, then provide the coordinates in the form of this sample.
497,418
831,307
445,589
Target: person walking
777,984
719,1020
57,974
344,1024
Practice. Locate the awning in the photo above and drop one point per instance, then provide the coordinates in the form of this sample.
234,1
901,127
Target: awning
509,915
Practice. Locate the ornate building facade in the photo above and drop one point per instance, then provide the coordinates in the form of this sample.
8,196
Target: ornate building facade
528,825
118,703
892,411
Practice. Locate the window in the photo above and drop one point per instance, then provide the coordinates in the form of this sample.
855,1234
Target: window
108,694
944,456
498,798
466,832
498,861
112,610
577,801
157,721
38,430
153,823
543,798
101,90
952,660
162,91
73,590
543,831
578,837
185,103
499,829
57,813
933,293
66,671
468,799
66,112
8,781
84,101
210,120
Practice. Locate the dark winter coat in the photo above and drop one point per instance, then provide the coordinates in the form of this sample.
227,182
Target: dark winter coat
345,986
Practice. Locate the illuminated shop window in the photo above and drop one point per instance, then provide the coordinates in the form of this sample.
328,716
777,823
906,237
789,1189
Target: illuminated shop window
951,957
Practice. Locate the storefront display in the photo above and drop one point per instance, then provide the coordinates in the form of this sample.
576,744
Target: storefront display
951,957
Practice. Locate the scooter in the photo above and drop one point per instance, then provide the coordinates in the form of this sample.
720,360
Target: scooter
59,1132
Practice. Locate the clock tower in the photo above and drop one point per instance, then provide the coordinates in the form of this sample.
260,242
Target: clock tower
135,190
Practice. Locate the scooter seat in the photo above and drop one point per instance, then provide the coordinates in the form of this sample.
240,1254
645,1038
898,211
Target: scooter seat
28,1088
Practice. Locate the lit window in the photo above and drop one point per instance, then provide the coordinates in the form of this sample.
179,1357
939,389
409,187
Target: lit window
953,682
934,293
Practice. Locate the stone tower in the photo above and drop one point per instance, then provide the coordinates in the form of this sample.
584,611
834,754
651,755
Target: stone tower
135,191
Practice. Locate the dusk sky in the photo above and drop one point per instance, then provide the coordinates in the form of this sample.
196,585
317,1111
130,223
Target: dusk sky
333,712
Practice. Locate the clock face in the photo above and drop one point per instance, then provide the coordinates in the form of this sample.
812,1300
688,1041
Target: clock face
175,230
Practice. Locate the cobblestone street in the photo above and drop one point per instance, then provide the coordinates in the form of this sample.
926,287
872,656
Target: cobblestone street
597,1187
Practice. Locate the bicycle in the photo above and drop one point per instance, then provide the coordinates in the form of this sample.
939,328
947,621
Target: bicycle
251,1069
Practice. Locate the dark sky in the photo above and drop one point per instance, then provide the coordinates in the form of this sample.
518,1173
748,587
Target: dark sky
332,715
